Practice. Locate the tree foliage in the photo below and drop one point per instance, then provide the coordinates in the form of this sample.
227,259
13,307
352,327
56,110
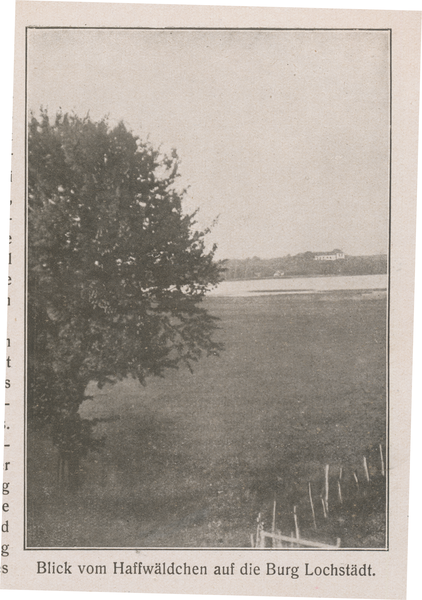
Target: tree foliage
116,270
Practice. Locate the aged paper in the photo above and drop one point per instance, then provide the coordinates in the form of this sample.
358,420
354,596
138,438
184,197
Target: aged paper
279,466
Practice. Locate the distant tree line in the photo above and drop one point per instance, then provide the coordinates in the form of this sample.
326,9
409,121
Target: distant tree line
302,265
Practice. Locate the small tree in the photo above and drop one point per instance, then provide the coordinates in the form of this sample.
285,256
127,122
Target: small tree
116,271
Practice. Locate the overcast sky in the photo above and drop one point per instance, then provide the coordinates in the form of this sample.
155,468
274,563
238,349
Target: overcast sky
282,134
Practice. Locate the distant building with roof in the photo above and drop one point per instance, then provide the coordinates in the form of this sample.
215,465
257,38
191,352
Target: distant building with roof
333,255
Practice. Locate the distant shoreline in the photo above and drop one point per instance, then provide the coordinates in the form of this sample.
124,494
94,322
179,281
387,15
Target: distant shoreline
303,276
313,291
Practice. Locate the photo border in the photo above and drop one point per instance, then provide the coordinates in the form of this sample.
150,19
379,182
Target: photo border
386,548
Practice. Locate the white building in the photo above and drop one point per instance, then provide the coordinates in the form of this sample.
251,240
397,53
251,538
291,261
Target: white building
334,255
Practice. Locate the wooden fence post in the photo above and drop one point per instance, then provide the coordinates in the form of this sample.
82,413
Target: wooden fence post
365,466
312,504
382,462
327,469
296,523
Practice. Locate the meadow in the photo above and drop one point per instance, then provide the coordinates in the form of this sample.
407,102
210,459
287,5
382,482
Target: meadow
191,459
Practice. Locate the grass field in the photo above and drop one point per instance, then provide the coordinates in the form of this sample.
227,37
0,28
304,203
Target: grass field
189,460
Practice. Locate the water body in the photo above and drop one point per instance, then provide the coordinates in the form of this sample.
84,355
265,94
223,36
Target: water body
300,285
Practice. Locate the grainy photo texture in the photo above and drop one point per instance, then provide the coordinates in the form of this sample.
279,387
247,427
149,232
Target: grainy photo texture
208,216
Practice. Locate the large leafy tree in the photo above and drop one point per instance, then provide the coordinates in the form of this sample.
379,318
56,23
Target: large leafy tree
116,270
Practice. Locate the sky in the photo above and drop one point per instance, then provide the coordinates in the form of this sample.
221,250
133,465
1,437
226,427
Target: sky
282,135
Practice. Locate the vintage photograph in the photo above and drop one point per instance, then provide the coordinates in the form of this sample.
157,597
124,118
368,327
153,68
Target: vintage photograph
207,288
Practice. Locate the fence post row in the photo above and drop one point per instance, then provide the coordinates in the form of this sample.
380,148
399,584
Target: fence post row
278,540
